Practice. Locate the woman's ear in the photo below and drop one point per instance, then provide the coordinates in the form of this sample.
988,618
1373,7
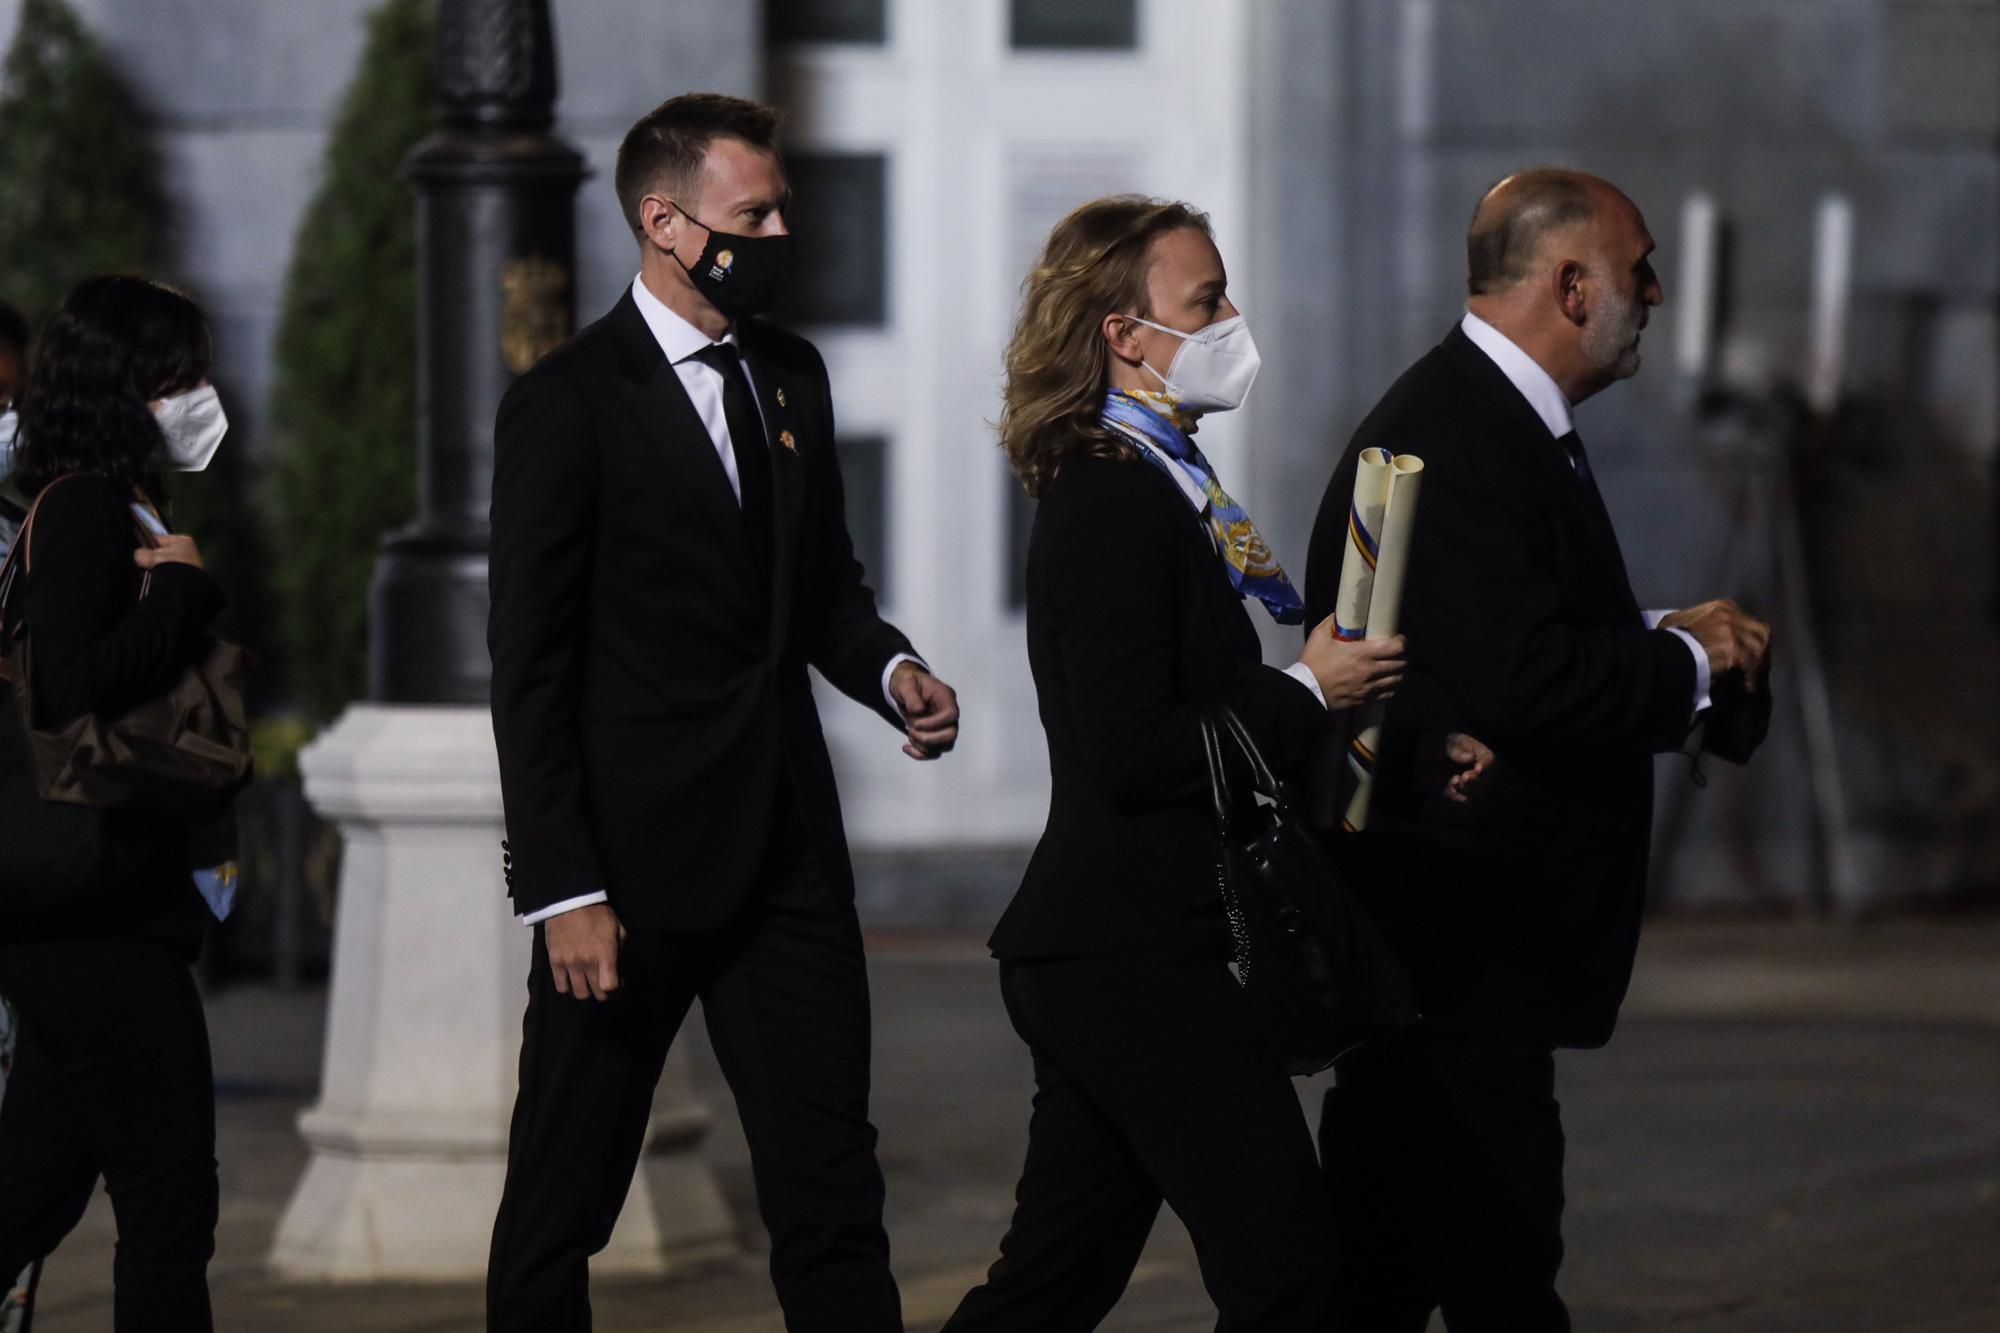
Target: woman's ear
1121,332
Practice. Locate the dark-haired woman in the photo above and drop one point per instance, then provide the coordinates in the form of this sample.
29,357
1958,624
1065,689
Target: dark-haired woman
112,1077
1152,1081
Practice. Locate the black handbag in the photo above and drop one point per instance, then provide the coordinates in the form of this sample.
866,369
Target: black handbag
1314,965
54,856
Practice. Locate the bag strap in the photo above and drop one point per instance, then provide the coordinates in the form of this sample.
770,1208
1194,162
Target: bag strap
1218,773
20,561
1262,777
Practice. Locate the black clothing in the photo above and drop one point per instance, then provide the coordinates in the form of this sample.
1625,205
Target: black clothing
1152,1079
753,456
1151,1082
644,702
96,646
658,740
1133,629
785,996
1444,1162
1518,913
112,1078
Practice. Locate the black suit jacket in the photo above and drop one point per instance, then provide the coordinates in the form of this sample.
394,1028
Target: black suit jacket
1133,629
647,701
1518,913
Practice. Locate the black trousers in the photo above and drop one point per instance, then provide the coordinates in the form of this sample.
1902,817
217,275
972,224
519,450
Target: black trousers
112,1078
785,996
1151,1083
1444,1161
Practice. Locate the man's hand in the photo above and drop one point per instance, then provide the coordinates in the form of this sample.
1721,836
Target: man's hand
1733,639
1471,759
930,710
583,950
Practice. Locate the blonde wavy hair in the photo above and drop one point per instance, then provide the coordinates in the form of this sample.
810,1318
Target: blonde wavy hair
1094,264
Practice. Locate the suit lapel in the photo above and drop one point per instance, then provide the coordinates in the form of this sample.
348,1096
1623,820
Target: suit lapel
653,392
778,400
1579,505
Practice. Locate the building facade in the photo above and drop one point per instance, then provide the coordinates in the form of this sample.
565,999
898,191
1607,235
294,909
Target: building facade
1339,147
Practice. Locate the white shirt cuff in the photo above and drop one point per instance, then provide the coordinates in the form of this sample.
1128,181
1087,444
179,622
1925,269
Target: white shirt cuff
1302,673
889,671
1703,678
566,905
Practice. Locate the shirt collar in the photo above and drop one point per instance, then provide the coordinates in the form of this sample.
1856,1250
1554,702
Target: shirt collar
676,337
1524,373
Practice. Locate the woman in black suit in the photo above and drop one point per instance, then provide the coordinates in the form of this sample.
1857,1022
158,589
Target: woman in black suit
1152,1082
112,1076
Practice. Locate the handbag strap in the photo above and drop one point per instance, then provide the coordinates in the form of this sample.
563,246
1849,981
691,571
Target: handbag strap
19,561
1260,771
1218,771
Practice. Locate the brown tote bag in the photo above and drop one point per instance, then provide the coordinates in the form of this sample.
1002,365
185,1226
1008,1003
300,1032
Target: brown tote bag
185,752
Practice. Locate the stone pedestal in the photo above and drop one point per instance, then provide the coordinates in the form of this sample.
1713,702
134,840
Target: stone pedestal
409,1138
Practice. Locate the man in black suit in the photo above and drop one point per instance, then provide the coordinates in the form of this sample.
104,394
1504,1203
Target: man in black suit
669,555
1517,909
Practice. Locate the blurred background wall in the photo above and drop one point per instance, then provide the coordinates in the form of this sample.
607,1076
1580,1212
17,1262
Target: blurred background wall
1340,146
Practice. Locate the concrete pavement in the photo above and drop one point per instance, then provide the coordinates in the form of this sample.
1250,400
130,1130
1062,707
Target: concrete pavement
1795,1129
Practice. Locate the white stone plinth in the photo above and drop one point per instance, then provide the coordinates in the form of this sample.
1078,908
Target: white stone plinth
409,1139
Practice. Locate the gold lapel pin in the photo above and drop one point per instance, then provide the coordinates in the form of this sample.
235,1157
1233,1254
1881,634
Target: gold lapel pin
785,438
781,398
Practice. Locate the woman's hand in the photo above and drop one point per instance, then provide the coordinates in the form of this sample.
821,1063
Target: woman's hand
1471,759
175,549
1353,673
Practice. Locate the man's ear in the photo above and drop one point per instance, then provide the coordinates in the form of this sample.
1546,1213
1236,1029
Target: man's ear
1569,291
660,221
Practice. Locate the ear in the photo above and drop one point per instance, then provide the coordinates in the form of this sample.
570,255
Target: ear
660,220
1121,332
1570,292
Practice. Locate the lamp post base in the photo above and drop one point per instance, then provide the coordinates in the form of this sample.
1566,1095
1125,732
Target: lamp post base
409,1138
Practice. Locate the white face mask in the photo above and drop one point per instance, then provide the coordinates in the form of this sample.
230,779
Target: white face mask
194,424
1214,369
10,430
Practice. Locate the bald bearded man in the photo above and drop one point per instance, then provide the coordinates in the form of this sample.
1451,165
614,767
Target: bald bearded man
1517,909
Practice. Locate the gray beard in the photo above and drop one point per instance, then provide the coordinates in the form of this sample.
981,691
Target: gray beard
1608,340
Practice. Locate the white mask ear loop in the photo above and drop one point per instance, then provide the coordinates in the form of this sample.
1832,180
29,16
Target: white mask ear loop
1167,384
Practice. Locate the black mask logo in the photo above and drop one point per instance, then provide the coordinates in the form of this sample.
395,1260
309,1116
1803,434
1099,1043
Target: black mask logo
740,275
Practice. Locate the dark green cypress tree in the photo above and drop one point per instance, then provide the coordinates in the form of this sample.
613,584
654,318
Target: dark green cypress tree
79,175
343,470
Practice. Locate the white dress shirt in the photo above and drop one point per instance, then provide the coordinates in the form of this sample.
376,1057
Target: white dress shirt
682,343
1552,406
1190,488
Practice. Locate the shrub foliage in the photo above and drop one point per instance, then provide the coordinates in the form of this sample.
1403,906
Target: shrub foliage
344,404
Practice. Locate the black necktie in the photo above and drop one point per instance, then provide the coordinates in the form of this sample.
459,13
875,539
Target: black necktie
753,452
1572,444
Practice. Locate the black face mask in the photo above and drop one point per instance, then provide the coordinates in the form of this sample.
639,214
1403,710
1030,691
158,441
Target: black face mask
740,275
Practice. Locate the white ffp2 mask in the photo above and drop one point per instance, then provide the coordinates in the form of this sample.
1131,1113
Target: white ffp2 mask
10,430
193,424
1215,367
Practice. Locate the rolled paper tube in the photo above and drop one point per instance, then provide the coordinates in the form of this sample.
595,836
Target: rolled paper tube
1385,611
1364,538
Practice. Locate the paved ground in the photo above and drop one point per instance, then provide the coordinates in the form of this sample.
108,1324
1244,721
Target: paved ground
1795,1129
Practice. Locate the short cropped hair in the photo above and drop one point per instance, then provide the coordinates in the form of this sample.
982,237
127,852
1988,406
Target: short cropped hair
1505,237
663,153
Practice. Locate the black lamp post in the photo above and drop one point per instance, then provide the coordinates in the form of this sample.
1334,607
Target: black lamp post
496,247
